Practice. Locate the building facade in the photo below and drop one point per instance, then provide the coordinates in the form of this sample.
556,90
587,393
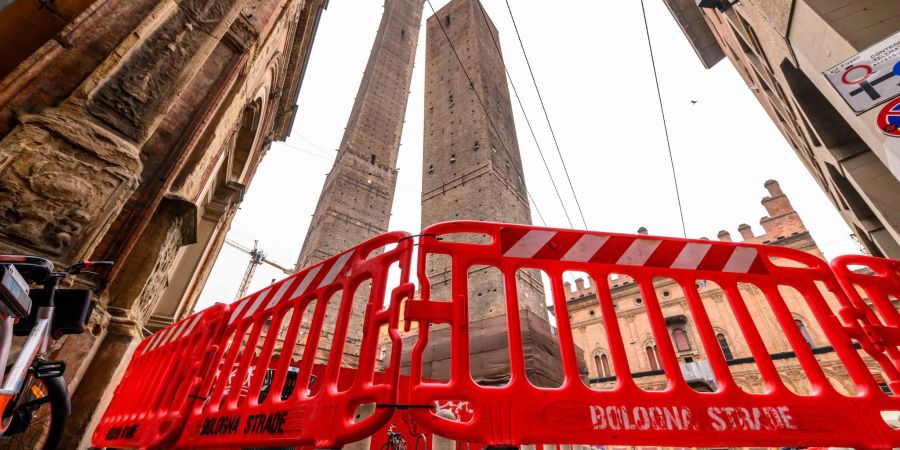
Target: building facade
782,227
782,50
129,131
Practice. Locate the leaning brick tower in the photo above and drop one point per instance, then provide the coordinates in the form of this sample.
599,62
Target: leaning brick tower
472,170
355,203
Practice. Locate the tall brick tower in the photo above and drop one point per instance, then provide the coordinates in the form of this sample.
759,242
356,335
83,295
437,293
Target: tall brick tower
355,203
472,170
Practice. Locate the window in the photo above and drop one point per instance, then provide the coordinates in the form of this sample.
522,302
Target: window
679,336
804,332
638,301
653,356
602,363
726,350
372,159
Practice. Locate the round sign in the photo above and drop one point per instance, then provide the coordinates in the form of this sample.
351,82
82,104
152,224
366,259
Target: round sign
860,73
888,119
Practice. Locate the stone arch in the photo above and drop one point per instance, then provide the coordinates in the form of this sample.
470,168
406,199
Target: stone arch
245,139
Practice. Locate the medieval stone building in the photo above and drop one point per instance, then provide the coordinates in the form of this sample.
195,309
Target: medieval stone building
783,51
783,227
129,131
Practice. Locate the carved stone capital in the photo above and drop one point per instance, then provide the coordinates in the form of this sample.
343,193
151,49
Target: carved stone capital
63,179
242,35
123,321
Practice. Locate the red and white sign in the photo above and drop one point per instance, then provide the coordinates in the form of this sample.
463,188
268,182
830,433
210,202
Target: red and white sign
888,119
869,78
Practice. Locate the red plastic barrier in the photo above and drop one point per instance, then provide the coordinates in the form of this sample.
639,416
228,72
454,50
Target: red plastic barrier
165,375
320,413
875,324
520,413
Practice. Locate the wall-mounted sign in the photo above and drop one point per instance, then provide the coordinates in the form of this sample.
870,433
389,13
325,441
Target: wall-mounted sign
888,119
870,78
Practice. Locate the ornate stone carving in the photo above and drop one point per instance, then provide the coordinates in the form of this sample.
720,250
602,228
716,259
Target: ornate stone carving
61,182
180,218
141,88
242,34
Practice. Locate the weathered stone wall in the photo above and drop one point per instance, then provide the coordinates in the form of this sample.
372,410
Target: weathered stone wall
131,136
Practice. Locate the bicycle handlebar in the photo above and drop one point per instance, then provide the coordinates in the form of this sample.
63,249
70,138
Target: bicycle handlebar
76,268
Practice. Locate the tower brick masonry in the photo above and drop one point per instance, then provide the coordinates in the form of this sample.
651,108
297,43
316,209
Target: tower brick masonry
472,169
355,203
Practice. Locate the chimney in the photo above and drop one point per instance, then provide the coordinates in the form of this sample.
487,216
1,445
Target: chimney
567,287
774,188
642,230
746,231
579,286
776,203
724,236
782,220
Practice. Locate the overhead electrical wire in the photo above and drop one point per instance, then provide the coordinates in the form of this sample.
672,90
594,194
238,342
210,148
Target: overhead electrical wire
662,112
527,120
487,115
546,115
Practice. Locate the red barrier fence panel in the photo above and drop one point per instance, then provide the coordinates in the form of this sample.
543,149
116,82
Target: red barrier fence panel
873,290
165,375
265,391
781,283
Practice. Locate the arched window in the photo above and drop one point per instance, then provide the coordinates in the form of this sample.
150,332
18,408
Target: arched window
726,350
682,344
601,361
804,332
653,356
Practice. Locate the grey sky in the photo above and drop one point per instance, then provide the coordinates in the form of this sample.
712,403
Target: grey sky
592,64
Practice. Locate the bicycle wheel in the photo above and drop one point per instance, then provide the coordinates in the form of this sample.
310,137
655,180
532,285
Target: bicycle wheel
37,423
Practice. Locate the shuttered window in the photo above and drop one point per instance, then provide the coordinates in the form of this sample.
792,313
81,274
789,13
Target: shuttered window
679,336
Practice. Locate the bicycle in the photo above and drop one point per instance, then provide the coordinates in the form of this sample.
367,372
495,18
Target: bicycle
34,399
395,441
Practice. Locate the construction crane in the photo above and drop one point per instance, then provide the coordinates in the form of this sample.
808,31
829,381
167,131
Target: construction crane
257,257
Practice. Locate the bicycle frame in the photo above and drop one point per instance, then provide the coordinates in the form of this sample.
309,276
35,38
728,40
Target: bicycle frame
35,345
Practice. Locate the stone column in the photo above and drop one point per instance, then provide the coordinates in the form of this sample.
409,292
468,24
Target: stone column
67,172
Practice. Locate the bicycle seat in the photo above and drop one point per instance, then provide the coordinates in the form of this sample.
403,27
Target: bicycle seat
32,268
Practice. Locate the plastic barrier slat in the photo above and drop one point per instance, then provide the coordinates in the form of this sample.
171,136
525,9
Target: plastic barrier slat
877,326
323,415
520,413
151,402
